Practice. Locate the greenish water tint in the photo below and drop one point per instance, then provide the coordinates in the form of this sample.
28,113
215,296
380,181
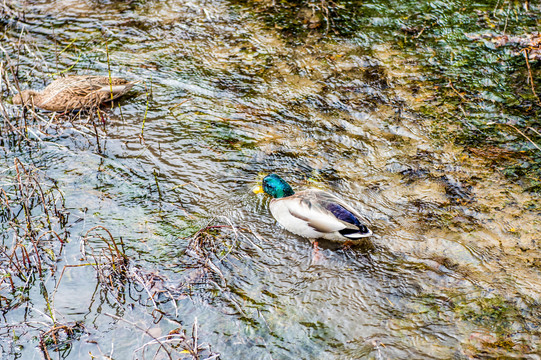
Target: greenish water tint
481,86
397,111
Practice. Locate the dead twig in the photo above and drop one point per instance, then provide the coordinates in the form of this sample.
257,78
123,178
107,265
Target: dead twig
456,91
520,132
160,343
526,54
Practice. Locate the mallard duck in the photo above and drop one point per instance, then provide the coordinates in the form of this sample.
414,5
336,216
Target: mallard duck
312,213
75,92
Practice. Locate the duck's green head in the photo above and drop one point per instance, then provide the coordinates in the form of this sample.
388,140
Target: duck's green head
276,187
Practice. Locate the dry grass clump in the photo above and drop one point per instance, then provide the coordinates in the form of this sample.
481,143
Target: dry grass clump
107,256
177,344
33,224
205,250
59,337
33,230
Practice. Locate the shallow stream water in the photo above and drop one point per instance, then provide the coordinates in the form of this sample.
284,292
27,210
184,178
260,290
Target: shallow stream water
454,270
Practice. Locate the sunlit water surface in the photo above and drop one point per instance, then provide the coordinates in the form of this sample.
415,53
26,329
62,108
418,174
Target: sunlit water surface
223,100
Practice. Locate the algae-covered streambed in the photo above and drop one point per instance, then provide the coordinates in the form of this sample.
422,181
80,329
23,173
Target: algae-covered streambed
137,235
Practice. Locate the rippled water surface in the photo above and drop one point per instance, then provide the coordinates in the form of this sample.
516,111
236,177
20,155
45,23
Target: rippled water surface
373,115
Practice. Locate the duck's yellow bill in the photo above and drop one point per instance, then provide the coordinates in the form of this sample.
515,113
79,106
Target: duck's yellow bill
258,189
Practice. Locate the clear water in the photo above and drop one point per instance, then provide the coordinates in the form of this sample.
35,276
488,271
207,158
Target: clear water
454,270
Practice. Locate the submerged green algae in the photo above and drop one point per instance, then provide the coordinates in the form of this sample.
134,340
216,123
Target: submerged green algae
375,115
482,94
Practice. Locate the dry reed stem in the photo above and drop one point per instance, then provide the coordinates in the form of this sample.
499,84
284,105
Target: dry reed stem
111,262
174,343
521,133
30,231
143,330
530,76
54,332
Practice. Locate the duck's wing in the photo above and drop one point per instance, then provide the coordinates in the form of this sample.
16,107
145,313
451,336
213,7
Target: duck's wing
306,209
93,90
328,213
116,86
86,85
68,92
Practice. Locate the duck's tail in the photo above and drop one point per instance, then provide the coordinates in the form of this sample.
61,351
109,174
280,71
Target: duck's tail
118,89
359,233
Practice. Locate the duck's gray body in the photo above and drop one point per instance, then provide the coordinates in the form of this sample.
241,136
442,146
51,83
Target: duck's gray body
316,214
